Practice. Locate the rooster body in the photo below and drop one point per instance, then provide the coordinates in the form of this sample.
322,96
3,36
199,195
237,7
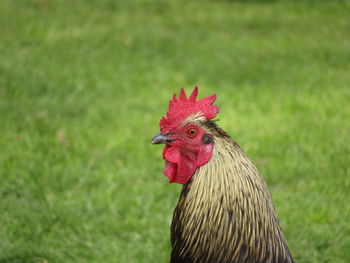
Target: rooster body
225,212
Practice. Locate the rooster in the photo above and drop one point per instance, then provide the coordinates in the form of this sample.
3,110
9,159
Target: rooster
225,212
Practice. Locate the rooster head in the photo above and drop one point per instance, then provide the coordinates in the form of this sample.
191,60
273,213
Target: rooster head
188,145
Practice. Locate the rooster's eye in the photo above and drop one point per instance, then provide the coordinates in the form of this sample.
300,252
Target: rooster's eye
192,132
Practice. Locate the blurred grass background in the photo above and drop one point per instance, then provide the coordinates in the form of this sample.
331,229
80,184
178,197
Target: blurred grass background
83,85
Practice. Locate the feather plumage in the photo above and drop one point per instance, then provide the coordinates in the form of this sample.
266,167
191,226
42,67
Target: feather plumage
225,212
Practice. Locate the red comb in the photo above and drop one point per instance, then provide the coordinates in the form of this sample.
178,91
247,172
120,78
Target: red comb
183,107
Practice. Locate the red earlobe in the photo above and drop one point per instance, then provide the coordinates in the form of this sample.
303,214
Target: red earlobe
204,154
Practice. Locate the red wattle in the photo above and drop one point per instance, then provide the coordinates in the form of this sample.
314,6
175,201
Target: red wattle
186,169
171,154
180,167
170,170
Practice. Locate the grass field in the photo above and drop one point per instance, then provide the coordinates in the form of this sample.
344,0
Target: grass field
83,85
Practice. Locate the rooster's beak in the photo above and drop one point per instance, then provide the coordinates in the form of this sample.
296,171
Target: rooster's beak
160,138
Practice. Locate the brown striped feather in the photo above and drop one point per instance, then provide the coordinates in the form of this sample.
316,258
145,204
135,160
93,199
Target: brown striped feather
225,213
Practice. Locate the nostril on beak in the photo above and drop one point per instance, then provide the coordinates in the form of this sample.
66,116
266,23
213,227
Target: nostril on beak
160,138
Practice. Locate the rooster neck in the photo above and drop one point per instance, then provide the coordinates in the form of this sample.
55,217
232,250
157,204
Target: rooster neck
225,212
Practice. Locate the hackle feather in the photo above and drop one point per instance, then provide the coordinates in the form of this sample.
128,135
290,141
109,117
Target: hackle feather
225,213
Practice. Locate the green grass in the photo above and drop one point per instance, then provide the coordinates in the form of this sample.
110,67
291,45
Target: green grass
83,85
